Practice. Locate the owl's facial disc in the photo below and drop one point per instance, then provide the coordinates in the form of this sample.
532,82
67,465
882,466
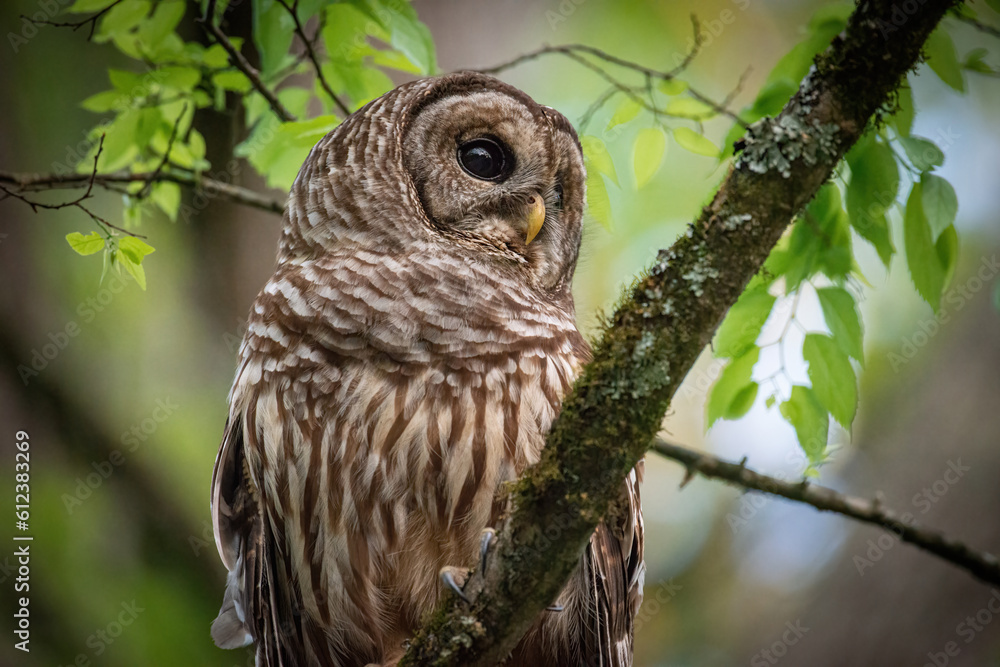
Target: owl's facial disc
491,168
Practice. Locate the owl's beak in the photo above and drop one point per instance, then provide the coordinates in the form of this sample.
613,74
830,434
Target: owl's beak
536,217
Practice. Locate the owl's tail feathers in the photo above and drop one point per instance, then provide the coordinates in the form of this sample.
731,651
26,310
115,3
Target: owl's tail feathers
229,629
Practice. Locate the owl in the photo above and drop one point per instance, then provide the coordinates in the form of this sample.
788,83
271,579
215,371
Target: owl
402,365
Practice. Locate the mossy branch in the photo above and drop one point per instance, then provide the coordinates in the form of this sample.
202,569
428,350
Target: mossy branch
661,326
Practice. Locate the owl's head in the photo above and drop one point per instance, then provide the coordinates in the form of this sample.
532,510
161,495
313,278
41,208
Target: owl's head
461,163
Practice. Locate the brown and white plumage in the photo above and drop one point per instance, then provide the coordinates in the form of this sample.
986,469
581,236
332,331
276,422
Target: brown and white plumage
405,360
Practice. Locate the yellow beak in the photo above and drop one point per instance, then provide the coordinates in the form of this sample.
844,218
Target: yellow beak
536,218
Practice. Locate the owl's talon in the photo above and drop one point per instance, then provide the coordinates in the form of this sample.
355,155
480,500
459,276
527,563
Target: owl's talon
449,577
485,540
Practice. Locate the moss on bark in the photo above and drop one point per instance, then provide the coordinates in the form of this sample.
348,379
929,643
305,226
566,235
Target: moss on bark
661,325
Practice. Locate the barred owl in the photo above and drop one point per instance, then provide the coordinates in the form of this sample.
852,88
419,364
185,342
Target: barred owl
403,363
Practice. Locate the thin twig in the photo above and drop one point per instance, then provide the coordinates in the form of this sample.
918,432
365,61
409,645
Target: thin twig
242,64
980,564
573,52
213,187
978,25
144,192
75,25
311,54
76,203
604,98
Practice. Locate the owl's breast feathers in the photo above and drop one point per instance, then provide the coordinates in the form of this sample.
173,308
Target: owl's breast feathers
379,406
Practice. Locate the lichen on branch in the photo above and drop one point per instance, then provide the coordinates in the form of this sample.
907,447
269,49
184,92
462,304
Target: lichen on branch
660,327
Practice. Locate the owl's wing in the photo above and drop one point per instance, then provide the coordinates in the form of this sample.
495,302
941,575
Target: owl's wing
249,608
617,573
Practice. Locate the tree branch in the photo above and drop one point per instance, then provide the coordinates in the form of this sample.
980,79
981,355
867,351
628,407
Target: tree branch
242,64
311,54
212,187
76,25
574,51
660,327
979,25
980,564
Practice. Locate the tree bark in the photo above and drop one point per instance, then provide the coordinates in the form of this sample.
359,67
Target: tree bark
614,411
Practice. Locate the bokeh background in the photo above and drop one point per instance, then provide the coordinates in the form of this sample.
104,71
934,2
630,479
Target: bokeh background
126,419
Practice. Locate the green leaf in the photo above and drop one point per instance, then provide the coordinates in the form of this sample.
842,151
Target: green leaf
841,315
87,6
947,251
168,197
215,57
810,420
233,80
410,36
734,392
134,268
923,153
743,323
273,30
832,377
647,154
974,61
994,5
627,109
691,141
101,102
596,157
120,145
122,18
926,269
166,16
872,189
902,120
940,203
943,59
135,249
820,240
773,96
672,86
85,245
688,107
598,202
181,78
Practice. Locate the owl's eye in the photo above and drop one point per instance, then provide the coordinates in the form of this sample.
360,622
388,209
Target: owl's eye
484,159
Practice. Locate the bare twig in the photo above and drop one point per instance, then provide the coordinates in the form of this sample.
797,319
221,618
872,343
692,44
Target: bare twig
241,63
75,25
311,54
166,157
978,25
980,564
213,187
76,203
574,51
